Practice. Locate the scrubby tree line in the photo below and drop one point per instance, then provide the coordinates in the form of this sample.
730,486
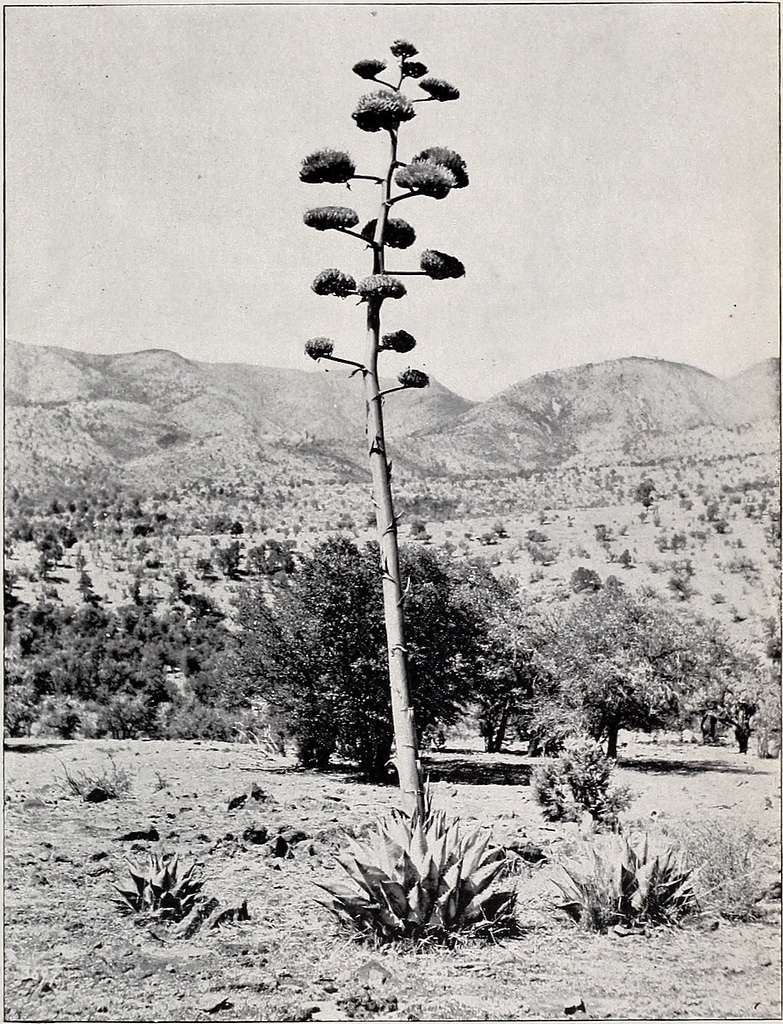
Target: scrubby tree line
313,655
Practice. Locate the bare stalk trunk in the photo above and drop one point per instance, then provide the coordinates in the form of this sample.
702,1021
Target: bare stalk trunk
402,712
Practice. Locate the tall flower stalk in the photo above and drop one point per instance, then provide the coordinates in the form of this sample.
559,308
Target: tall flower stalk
432,173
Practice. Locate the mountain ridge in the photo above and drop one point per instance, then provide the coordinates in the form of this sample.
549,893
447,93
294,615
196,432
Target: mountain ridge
138,415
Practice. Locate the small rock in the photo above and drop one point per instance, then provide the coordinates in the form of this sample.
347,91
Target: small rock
223,1004
764,959
96,795
256,835
372,973
573,1007
236,801
99,855
150,835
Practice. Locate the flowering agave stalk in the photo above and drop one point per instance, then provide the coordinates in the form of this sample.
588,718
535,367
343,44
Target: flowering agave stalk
432,173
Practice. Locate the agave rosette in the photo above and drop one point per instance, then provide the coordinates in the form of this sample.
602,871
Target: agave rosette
617,882
421,879
160,885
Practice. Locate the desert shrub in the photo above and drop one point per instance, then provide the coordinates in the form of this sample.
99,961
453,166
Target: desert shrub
729,864
423,880
115,781
585,579
613,881
192,719
59,716
19,710
579,781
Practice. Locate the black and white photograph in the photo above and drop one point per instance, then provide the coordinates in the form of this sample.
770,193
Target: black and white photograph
392,515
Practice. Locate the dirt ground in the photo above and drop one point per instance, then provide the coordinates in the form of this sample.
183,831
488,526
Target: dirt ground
71,955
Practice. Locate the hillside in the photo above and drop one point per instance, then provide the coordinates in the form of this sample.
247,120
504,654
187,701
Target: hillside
600,412
156,416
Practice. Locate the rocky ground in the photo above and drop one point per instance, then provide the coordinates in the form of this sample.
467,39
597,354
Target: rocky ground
264,832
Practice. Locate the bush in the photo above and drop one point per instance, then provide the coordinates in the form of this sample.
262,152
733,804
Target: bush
196,721
116,782
615,882
59,716
585,579
579,782
730,865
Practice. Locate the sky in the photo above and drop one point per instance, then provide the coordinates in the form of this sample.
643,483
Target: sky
623,197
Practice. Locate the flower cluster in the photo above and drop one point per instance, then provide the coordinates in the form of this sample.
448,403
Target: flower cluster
318,348
398,233
426,178
398,341
413,69
322,218
413,378
327,165
334,282
380,286
402,48
382,110
440,265
369,68
439,90
446,158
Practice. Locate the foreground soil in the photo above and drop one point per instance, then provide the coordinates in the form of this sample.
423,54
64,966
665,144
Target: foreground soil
71,955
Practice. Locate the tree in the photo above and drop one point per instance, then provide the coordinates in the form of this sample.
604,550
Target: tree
432,172
507,666
228,558
317,654
731,684
645,492
620,661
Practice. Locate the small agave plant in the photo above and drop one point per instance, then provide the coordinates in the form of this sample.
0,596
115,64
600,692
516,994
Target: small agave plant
616,882
160,886
422,879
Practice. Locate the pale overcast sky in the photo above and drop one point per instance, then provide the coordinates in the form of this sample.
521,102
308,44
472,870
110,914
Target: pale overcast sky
623,198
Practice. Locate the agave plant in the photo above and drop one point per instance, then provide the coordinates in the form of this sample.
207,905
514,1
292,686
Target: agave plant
617,882
421,878
160,886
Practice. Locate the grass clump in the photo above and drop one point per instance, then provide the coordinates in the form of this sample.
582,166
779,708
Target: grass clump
160,887
110,779
422,879
616,882
730,865
579,782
